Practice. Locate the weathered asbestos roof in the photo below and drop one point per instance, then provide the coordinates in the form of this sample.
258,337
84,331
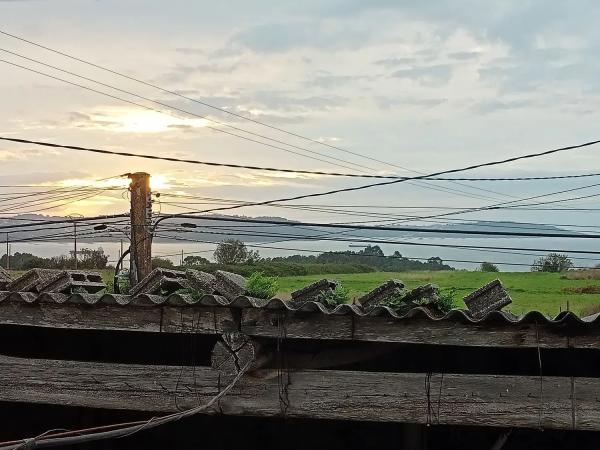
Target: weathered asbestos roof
564,318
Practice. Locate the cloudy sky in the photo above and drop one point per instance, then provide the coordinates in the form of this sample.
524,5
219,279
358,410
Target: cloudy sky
422,86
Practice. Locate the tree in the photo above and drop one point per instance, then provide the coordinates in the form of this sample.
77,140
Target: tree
372,250
552,262
194,260
488,267
435,261
92,259
233,251
163,263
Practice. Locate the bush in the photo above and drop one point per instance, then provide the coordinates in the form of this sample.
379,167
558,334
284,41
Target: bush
488,267
552,262
589,289
445,300
196,295
163,263
284,269
398,302
338,296
582,274
261,286
234,251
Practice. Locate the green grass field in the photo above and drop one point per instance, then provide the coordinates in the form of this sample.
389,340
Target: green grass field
529,291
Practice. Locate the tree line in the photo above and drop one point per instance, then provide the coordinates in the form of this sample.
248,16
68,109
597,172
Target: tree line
87,259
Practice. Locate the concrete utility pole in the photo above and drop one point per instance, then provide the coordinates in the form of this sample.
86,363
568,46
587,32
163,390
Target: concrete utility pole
75,243
7,252
140,261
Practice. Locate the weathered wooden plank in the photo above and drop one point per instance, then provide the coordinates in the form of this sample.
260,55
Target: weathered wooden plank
266,323
109,317
303,325
201,319
170,319
453,399
300,325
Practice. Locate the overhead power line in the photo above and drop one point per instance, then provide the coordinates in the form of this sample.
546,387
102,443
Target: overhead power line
387,183
51,222
213,128
334,209
426,230
287,237
380,256
274,169
229,112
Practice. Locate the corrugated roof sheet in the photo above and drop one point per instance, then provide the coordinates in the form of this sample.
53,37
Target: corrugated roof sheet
462,316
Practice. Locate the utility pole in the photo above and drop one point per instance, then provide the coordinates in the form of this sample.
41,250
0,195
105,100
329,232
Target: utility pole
7,252
140,261
75,242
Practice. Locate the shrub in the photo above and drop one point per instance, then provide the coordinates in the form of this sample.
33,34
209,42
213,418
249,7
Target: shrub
445,300
284,269
394,302
590,310
552,262
234,251
338,296
488,267
196,295
163,263
582,274
261,286
589,289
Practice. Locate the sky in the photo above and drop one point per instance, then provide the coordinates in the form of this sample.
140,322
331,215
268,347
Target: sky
420,86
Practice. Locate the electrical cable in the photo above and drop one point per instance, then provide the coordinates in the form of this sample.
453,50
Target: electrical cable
223,110
118,430
384,256
426,230
387,183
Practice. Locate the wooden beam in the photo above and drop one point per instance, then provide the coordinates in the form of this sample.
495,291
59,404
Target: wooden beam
168,319
451,399
269,323
296,325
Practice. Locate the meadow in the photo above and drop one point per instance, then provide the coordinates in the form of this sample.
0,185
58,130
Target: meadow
549,293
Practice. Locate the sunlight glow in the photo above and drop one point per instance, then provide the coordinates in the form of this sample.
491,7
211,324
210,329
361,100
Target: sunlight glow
134,121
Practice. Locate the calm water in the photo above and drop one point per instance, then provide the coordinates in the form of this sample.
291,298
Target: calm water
47,249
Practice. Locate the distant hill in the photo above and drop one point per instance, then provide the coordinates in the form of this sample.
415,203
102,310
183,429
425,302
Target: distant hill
217,230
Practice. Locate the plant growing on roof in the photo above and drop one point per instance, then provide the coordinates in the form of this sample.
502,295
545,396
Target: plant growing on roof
445,301
193,293
261,286
337,296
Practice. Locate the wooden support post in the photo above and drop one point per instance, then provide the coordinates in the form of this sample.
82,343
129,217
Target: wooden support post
234,352
140,263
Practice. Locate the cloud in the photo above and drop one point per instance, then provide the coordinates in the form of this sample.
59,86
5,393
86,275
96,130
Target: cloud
390,63
327,80
284,36
423,103
181,73
429,75
491,106
464,56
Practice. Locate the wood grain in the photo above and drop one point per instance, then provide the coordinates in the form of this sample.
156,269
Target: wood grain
453,399
298,325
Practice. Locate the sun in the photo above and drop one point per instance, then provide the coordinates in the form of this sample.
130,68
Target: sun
158,182
134,121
